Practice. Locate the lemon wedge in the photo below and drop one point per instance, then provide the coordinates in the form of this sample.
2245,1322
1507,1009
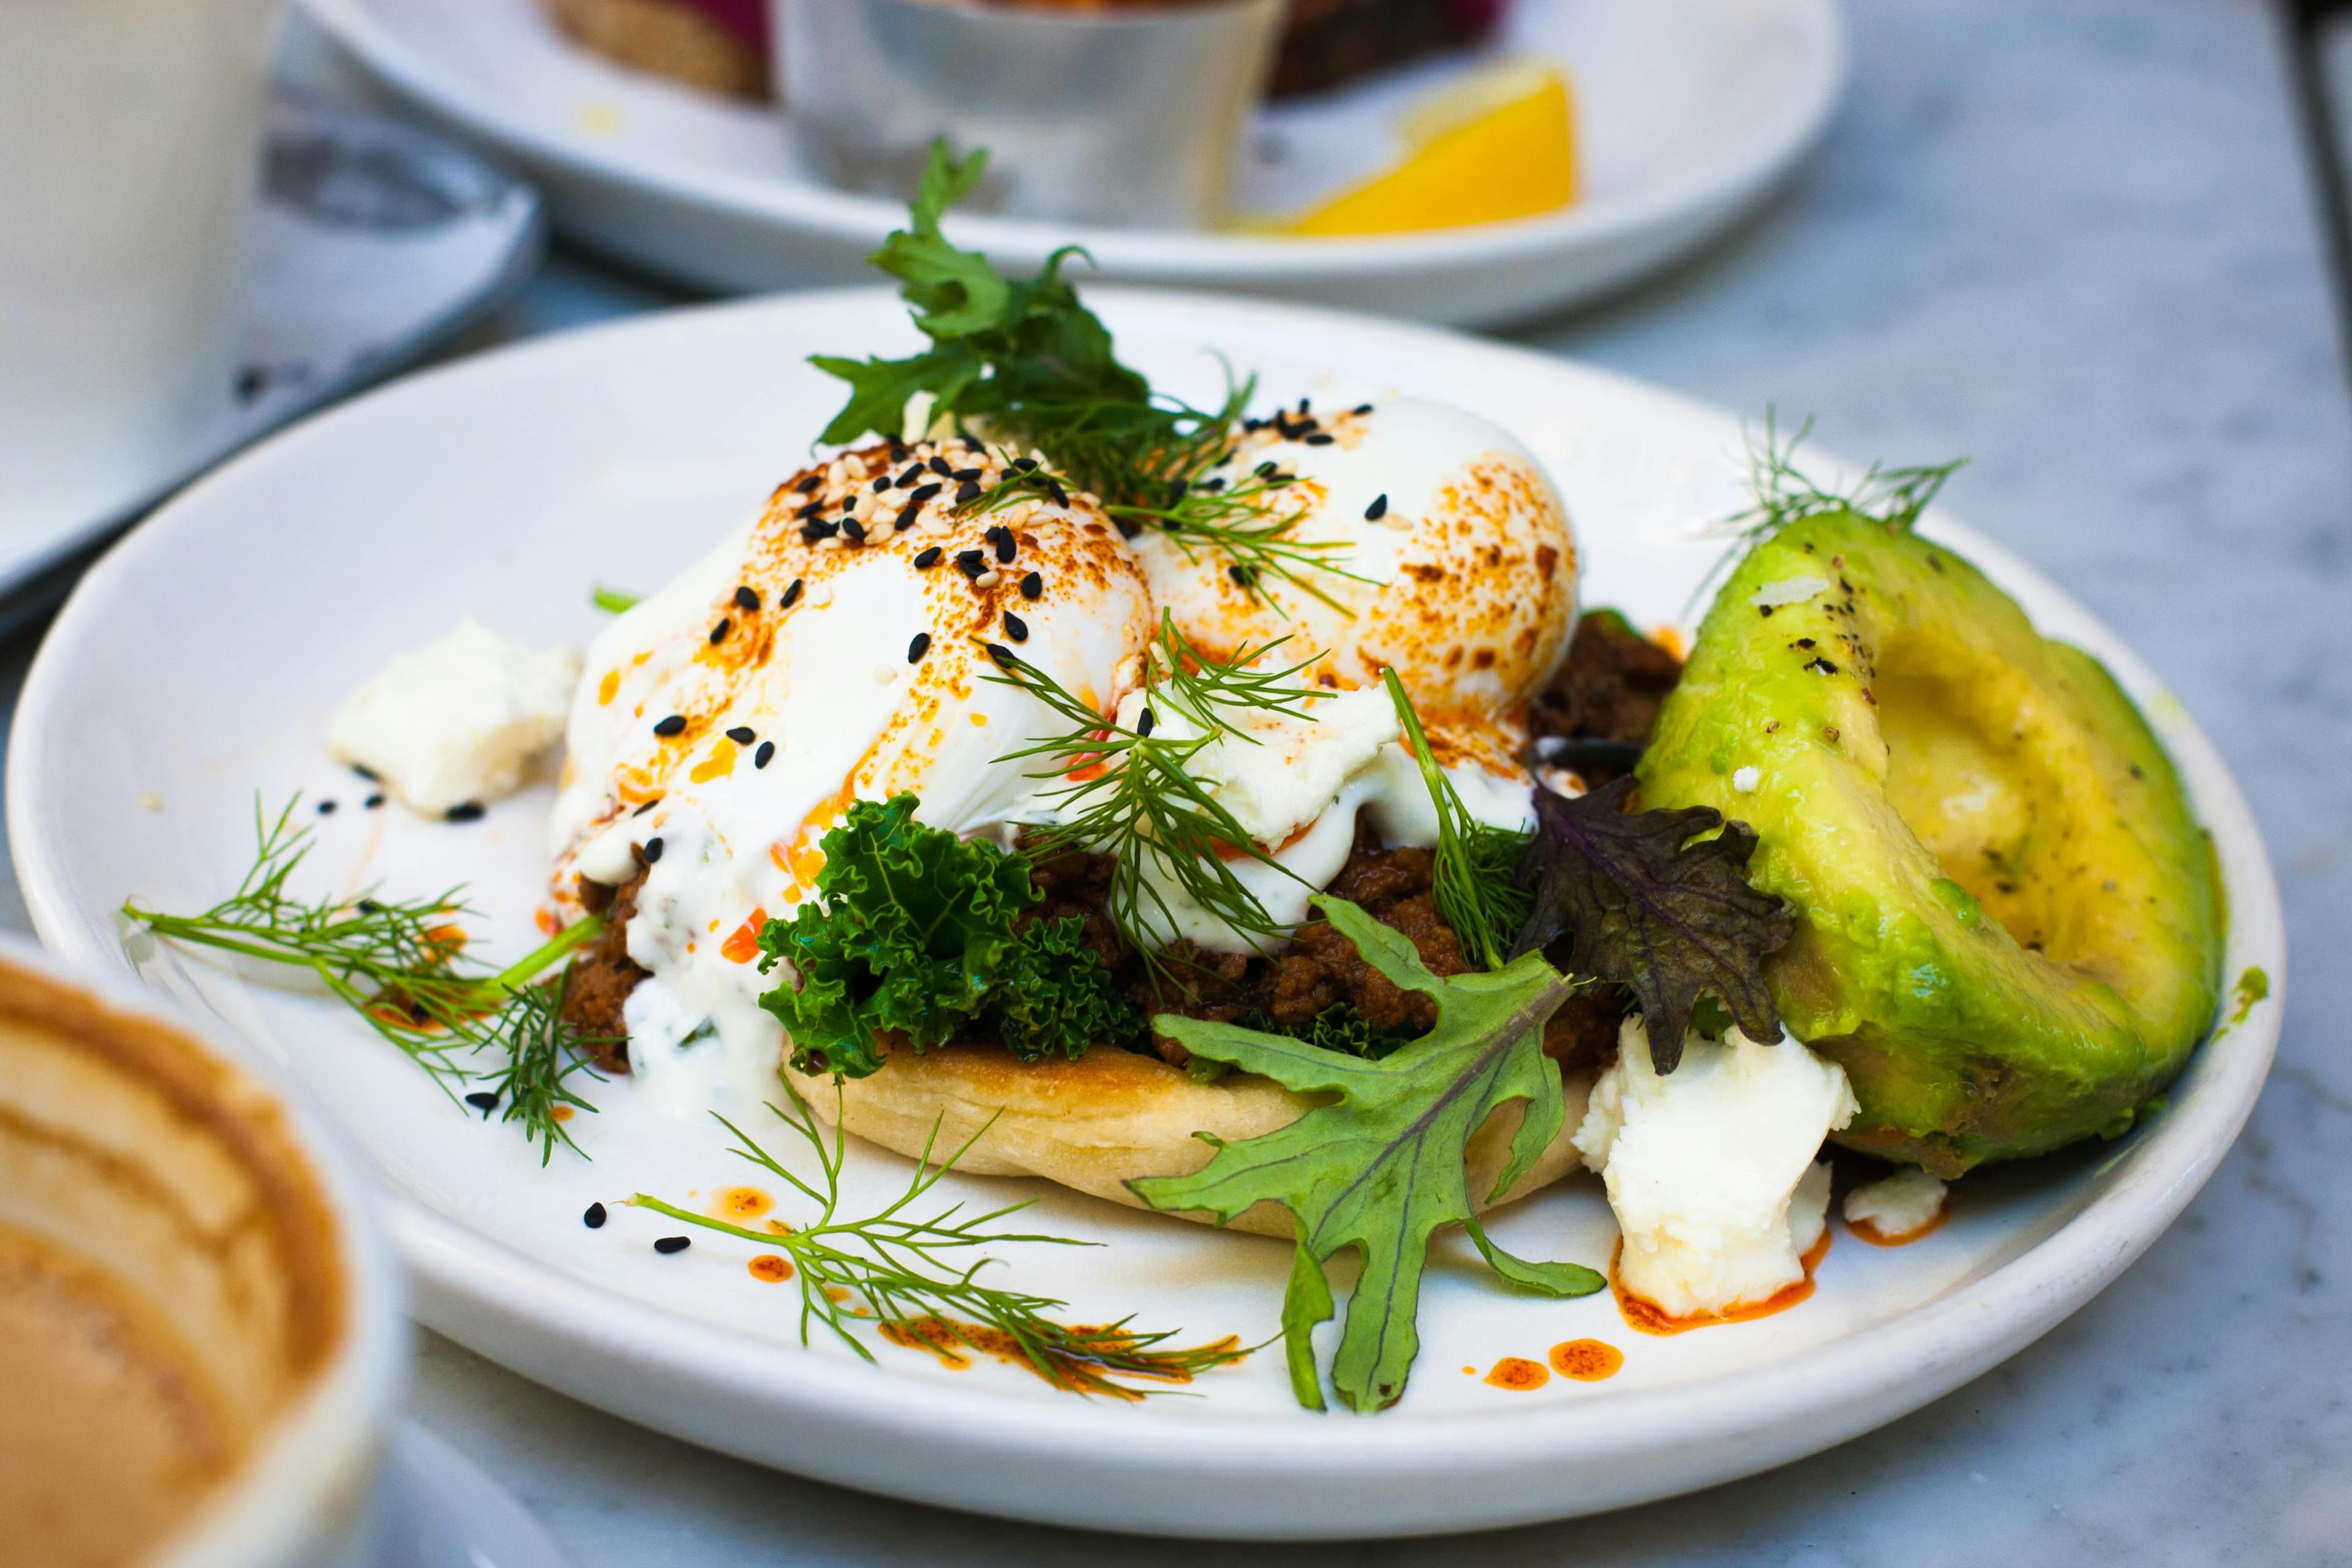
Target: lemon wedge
1501,145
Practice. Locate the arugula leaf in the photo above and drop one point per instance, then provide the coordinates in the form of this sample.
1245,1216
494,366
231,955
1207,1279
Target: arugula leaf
1053,994
909,927
1648,902
1340,1027
1381,1168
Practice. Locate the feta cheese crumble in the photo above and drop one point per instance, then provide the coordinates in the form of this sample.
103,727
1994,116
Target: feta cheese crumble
456,722
1710,1168
1897,1207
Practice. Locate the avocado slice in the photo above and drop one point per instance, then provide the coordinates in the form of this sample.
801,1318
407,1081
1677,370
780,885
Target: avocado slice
2010,923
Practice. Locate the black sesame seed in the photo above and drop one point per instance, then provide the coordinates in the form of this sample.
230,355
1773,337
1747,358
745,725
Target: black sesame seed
1149,723
1363,408
1001,654
809,482
906,480
767,749
906,516
967,493
672,725
916,648
745,599
813,532
926,559
1212,486
1006,545
1015,627
594,1218
1253,425
926,493
1319,441
1055,492
373,801
897,450
791,595
884,483
743,734
653,849
718,633
670,1243
1240,574
1379,509
854,529
1025,465
646,807
1128,527
1176,488
1266,470
470,811
417,1013
1303,404
366,772
966,476
971,563
940,466
326,808
482,1100
1031,586
814,508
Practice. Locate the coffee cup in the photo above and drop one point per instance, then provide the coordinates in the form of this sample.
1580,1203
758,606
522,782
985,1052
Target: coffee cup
130,147
200,1338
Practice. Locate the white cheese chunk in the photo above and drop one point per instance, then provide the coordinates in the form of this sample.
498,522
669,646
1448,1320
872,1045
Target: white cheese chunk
457,720
1898,1205
1711,1168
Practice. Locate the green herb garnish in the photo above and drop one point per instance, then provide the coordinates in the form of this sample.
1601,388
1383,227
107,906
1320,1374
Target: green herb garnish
905,1274
1381,1168
613,601
396,963
1023,361
912,935
1475,871
1131,795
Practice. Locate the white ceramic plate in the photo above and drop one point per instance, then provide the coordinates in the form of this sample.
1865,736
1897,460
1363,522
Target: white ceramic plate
196,663
1690,113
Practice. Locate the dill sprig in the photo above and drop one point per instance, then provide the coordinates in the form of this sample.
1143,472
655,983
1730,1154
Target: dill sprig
395,963
1784,493
1475,877
905,1273
1132,793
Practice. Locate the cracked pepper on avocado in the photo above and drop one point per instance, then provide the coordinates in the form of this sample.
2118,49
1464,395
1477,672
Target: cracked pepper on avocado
1228,813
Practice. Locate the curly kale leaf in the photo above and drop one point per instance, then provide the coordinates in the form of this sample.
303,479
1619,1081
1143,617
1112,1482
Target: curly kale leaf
908,930
1380,1166
1646,902
1053,994
1005,348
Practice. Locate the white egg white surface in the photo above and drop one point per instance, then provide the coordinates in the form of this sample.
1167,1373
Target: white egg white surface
787,672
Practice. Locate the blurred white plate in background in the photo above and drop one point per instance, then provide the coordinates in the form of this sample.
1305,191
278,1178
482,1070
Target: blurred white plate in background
1690,113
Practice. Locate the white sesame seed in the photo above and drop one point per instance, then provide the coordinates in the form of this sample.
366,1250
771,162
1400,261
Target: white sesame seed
1397,522
820,594
1746,780
883,674
988,579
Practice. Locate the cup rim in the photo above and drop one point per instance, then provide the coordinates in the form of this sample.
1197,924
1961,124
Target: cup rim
310,1479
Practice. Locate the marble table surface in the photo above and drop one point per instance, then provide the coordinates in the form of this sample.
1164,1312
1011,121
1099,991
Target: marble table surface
2076,242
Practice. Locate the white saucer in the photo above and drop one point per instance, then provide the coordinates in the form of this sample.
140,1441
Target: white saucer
1690,113
438,1509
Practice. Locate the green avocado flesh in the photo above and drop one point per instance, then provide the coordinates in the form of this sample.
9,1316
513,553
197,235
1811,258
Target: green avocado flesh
2009,923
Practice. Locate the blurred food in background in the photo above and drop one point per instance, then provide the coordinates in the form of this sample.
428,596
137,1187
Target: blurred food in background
1378,117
